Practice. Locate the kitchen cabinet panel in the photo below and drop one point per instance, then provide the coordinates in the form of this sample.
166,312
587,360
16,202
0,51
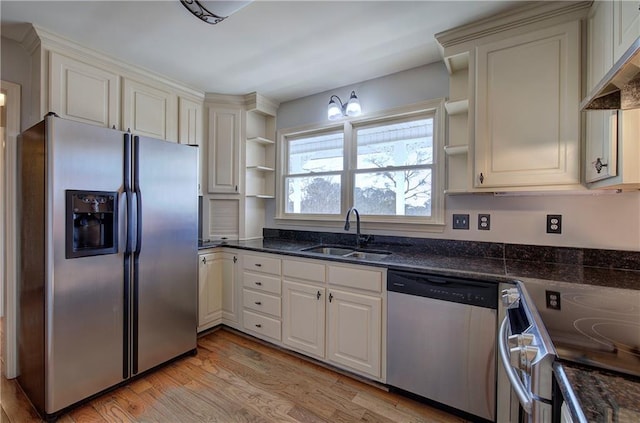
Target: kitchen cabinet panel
227,262
527,120
210,277
82,92
150,111
224,150
303,317
189,122
626,25
354,331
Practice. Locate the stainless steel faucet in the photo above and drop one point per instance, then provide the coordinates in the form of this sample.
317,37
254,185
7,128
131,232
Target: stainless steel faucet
347,225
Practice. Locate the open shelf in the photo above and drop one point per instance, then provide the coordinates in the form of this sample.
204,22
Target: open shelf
261,140
261,168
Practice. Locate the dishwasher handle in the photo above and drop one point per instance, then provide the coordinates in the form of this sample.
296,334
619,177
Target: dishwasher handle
524,396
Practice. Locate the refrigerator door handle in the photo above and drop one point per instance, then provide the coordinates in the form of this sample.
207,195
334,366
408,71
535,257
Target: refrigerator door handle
127,256
136,252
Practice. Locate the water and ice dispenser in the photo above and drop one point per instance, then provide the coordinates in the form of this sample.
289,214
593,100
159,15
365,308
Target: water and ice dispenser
91,223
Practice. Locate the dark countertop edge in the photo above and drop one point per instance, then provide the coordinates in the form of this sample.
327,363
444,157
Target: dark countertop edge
461,266
568,394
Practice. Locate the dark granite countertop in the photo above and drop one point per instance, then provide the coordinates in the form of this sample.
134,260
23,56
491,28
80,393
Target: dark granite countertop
464,258
596,396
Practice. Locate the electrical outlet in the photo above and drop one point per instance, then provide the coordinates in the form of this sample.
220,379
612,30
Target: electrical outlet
553,299
460,221
554,223
484,222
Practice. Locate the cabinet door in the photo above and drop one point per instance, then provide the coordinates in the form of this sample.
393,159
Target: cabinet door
150,111
527,117
189,122
626,25
303,317
84,93
230,289
601,125
354,336
224,150
210,277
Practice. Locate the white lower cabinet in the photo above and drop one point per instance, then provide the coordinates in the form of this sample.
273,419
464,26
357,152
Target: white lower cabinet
354,331
303,317
342,326
216,289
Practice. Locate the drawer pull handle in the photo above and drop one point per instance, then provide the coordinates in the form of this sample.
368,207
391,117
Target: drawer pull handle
258,265
259,283
258,325
318,295
330,297
258,303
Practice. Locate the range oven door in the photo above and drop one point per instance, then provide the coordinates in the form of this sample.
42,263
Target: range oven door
527,356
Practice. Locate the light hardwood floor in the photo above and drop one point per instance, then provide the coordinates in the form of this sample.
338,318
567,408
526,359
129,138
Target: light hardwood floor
235,379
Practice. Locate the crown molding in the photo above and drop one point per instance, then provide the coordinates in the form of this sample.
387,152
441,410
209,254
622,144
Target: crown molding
530,13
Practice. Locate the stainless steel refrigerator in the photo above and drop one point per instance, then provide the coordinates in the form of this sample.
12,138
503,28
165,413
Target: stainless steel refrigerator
108,267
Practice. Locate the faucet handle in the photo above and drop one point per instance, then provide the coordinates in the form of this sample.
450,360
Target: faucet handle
365,239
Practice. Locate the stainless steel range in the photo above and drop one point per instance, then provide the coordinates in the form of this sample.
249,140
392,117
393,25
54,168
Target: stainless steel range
593,325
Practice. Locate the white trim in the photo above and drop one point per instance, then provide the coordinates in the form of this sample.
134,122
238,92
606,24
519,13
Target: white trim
375,223
10,276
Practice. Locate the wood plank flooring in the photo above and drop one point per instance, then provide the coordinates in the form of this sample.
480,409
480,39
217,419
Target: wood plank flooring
235,379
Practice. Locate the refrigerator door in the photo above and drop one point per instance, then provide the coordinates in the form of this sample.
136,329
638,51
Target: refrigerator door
84,296
166,251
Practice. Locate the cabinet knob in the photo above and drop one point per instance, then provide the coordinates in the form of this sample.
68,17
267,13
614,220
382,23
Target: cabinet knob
599,165
481,178
330,297
258,265
258,325
258,302
318,295
204,260
259,283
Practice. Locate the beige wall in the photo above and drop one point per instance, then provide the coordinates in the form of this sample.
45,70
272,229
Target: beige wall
608,221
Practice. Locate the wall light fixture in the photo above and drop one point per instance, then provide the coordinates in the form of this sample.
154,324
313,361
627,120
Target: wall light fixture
350,108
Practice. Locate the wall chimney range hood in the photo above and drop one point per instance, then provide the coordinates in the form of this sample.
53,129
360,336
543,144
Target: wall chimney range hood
620,87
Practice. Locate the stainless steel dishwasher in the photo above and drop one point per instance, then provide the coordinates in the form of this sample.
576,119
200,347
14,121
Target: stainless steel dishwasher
441,339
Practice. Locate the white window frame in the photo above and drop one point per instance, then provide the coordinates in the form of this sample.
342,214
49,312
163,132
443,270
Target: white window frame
433,223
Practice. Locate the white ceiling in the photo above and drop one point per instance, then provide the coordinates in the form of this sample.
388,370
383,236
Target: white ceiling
281,49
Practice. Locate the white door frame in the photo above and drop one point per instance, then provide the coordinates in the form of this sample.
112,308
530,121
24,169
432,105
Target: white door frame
10,265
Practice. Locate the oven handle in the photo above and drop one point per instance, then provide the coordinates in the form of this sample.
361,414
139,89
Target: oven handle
524,396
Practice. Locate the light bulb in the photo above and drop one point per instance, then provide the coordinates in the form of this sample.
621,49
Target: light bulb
353,106
334,111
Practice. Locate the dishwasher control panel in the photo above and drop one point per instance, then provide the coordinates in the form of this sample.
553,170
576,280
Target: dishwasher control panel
458,290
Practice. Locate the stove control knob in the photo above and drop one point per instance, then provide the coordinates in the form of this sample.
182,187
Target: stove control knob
510,297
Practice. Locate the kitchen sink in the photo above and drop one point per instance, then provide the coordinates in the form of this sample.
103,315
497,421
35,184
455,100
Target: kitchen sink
342,251
329,250
369,255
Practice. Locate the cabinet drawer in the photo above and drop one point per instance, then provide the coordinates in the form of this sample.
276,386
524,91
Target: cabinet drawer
359,278
304,270
262,324
262,264
264,303
261,282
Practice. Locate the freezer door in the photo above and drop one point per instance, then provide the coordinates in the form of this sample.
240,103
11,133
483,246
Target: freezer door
84,295
165,262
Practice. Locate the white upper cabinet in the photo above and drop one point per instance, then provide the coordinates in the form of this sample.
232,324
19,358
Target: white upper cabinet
527,117
149,111
189,122
82,92
224,150
626,25
601,125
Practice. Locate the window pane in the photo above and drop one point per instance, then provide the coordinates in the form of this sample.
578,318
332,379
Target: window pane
401,193
320,153
398,144
313,194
